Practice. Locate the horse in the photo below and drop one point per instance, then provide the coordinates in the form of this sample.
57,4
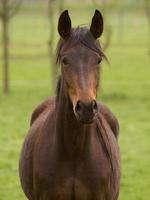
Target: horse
71,151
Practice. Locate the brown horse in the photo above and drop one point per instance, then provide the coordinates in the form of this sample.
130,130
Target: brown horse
71,150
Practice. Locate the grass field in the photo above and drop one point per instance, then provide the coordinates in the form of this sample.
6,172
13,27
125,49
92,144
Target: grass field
125,88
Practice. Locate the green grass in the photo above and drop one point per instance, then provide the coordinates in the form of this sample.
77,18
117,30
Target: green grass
125,88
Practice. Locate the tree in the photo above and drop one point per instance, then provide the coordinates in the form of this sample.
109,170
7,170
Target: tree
121,24
108,28
61,5
8,9
147,9
51,42
51,13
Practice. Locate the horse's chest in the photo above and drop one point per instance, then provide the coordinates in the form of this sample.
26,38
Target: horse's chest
81,181
69,189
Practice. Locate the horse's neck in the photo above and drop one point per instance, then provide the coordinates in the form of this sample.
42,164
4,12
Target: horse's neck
72,136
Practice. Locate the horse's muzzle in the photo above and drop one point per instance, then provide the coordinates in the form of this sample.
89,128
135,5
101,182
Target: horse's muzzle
86,111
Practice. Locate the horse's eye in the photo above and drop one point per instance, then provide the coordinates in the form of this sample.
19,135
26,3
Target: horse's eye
65,61
99,60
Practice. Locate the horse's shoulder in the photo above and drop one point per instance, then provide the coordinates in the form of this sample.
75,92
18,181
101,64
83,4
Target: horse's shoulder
45,106
110,118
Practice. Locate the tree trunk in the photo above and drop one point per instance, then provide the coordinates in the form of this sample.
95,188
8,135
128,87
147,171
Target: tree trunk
5,24
61,5
147,9
120,25
51,45
108,28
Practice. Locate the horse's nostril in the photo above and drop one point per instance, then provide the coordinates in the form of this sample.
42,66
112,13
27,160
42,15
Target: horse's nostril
86,111
86,108
94,106
78,107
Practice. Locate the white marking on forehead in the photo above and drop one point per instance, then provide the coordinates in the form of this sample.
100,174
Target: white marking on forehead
82,75
83,79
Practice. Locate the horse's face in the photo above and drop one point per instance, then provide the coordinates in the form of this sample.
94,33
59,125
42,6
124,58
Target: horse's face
80,72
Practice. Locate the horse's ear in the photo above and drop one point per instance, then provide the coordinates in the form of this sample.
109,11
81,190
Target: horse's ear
97,24
64,25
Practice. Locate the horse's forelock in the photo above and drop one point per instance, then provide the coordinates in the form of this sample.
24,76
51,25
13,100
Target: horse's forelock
79,35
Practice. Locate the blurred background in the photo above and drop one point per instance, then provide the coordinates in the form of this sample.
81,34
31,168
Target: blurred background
28,38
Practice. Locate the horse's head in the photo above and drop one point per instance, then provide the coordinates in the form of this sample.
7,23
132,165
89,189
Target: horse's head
80,56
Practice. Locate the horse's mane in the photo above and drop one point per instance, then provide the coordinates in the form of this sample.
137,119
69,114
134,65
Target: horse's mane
110,149
58,87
